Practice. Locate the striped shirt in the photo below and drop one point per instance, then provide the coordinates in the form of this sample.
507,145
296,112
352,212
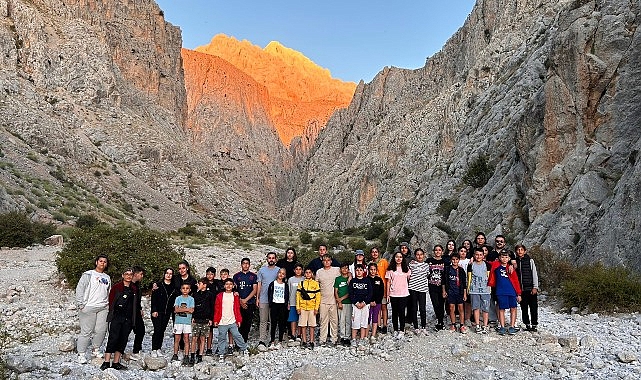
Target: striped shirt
420,274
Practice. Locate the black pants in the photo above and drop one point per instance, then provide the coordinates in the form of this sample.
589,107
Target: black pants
119,329
160,326
530,301
417,302
438,302
278,314
248,317
139,334
398,312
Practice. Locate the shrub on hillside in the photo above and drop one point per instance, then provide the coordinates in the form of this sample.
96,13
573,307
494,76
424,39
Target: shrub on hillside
478,172
602,289
551,269
17,230
125,246
86,221
305,237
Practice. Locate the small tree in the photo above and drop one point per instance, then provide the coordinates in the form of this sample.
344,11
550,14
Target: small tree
478,172
17,230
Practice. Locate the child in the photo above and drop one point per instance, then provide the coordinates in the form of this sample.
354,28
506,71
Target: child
203,317
360,293
307,303
454,290
437,267
214,286
378,292
478,272
341,294
278,298
508,291
398,275
183,307
418,286
529,280
293,315
227,319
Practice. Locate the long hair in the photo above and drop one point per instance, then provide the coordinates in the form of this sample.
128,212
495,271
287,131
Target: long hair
392,265
445,251
295,258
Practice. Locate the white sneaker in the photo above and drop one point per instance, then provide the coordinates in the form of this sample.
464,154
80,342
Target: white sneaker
96,353
154,353
400,335
372,339
82,359
135,356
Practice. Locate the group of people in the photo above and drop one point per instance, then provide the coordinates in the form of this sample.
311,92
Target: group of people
347,301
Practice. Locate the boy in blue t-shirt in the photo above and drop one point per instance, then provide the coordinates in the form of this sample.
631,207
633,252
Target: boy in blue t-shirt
183,307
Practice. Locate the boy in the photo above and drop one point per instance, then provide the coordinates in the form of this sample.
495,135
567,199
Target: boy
478,272
308,300
378,292
227,318
360,293
214,286
183,307
508,291
293,315
202,320
455,291
341,294
529,280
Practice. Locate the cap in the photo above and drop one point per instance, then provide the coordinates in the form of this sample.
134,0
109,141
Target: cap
359,252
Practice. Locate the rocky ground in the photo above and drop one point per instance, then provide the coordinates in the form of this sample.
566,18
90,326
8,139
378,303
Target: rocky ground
39,327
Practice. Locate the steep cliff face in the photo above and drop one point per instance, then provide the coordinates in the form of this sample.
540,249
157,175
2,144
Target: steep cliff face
546,90
229,121
92,92
302,94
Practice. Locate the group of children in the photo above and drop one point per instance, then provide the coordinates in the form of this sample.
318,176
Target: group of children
470,286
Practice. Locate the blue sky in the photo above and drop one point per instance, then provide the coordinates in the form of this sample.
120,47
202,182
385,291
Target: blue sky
354,39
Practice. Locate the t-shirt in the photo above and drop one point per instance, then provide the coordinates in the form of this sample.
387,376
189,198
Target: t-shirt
463,264
266,276
378,285
420,273
245,284
342,285
227,316
479,276
184,318
293,285
504,286
326,278
436,271
398,282
96,291
279,292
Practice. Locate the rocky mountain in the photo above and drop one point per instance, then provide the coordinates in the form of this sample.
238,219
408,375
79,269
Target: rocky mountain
301,94
545,94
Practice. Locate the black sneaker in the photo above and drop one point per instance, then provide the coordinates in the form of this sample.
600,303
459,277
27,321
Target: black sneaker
439,327
104,366
311,345
303,345
230,350
174,358
186,360
209,352
534,328
384,330
199,358
118,366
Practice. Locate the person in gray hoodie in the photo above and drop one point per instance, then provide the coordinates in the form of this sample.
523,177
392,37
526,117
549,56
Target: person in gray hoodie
92,300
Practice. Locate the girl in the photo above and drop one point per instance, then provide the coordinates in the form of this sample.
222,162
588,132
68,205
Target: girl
162,308
288,262
450,250
398,274
418,287
436,268
278,295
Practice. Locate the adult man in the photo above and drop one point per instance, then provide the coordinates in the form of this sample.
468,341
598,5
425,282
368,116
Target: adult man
266,275
317,263
139,326
499,247
92,299
328,311
246,286
382,265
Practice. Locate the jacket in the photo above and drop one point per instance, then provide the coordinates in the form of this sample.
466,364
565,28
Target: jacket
513,277
119,294
203,306
527,274
313,289
162,299
218,312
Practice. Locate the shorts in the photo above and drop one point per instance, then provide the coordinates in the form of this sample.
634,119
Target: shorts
384,302
374,311
180,328
199,329
307,318
360,317
454,298
480,301
293,314
506,302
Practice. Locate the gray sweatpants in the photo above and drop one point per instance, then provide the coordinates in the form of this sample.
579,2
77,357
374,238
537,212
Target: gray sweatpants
93,327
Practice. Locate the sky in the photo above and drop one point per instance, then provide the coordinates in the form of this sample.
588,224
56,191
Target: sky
354,39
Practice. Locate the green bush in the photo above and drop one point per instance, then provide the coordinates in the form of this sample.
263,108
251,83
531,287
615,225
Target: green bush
124,245
478,172
17,230
267,240
551,269
305,237
446,206
374,231
357,243
86,221
602,289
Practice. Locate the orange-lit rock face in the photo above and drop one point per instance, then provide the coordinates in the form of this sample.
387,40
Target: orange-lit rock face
301,93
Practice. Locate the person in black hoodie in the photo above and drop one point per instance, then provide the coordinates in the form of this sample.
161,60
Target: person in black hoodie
123,298
203,317
214,286
162,308
529,280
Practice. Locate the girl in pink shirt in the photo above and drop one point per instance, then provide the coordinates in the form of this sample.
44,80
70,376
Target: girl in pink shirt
398,275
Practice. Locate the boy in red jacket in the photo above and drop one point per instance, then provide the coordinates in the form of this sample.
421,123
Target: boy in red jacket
508,291
227,318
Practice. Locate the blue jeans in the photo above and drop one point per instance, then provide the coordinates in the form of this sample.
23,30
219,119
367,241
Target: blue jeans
222,338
